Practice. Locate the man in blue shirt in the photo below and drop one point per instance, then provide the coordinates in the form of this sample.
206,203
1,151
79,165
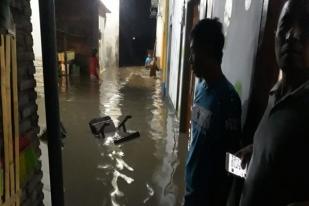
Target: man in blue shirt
216,115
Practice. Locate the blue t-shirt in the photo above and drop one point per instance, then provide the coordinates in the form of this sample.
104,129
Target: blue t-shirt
216,117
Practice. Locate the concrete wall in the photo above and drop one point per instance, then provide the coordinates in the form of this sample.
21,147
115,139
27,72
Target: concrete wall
37,47
109,46
183,63
162,39
36,32
160,30
38,63
102,23
203,6
32,188
242,20
176,15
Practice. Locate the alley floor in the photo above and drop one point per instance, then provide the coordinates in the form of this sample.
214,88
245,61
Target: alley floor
145,171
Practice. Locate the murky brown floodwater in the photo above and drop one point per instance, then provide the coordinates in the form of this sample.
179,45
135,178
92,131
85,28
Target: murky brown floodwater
144,171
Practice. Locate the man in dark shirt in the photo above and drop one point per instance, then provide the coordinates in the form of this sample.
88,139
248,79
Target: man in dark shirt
279,169
216,116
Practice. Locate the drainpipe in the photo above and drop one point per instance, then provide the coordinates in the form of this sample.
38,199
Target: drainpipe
48,35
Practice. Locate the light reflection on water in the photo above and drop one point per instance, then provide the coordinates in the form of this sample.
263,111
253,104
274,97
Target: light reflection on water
145,171
150,193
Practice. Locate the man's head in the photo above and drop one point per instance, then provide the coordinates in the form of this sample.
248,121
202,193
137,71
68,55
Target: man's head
292,37
207,42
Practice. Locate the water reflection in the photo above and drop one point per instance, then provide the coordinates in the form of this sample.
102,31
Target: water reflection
144,171
150,193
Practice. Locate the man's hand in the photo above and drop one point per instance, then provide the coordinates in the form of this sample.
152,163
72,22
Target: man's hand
245,155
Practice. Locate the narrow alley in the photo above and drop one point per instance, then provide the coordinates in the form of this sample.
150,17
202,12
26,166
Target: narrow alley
216,90
144,171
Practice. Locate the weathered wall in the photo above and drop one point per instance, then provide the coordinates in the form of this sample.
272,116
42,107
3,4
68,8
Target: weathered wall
32,187
176,17
160,29
109,55
242,22
37,47
38,63
161,34
102,23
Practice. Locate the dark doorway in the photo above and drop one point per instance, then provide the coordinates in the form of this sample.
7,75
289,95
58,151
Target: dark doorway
137,32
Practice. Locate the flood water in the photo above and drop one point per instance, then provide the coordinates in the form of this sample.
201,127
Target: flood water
145,171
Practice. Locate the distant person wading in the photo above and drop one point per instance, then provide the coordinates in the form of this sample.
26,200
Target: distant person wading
94,65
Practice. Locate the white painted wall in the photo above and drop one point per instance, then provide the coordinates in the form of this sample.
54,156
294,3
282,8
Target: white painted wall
109,44
102,23
202,8
241,20
37,47
177,13
36,33
160,28
184,39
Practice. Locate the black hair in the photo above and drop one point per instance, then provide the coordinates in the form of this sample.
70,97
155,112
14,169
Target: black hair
208,36
300,7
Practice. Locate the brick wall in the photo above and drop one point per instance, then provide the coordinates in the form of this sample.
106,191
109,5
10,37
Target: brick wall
32,188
